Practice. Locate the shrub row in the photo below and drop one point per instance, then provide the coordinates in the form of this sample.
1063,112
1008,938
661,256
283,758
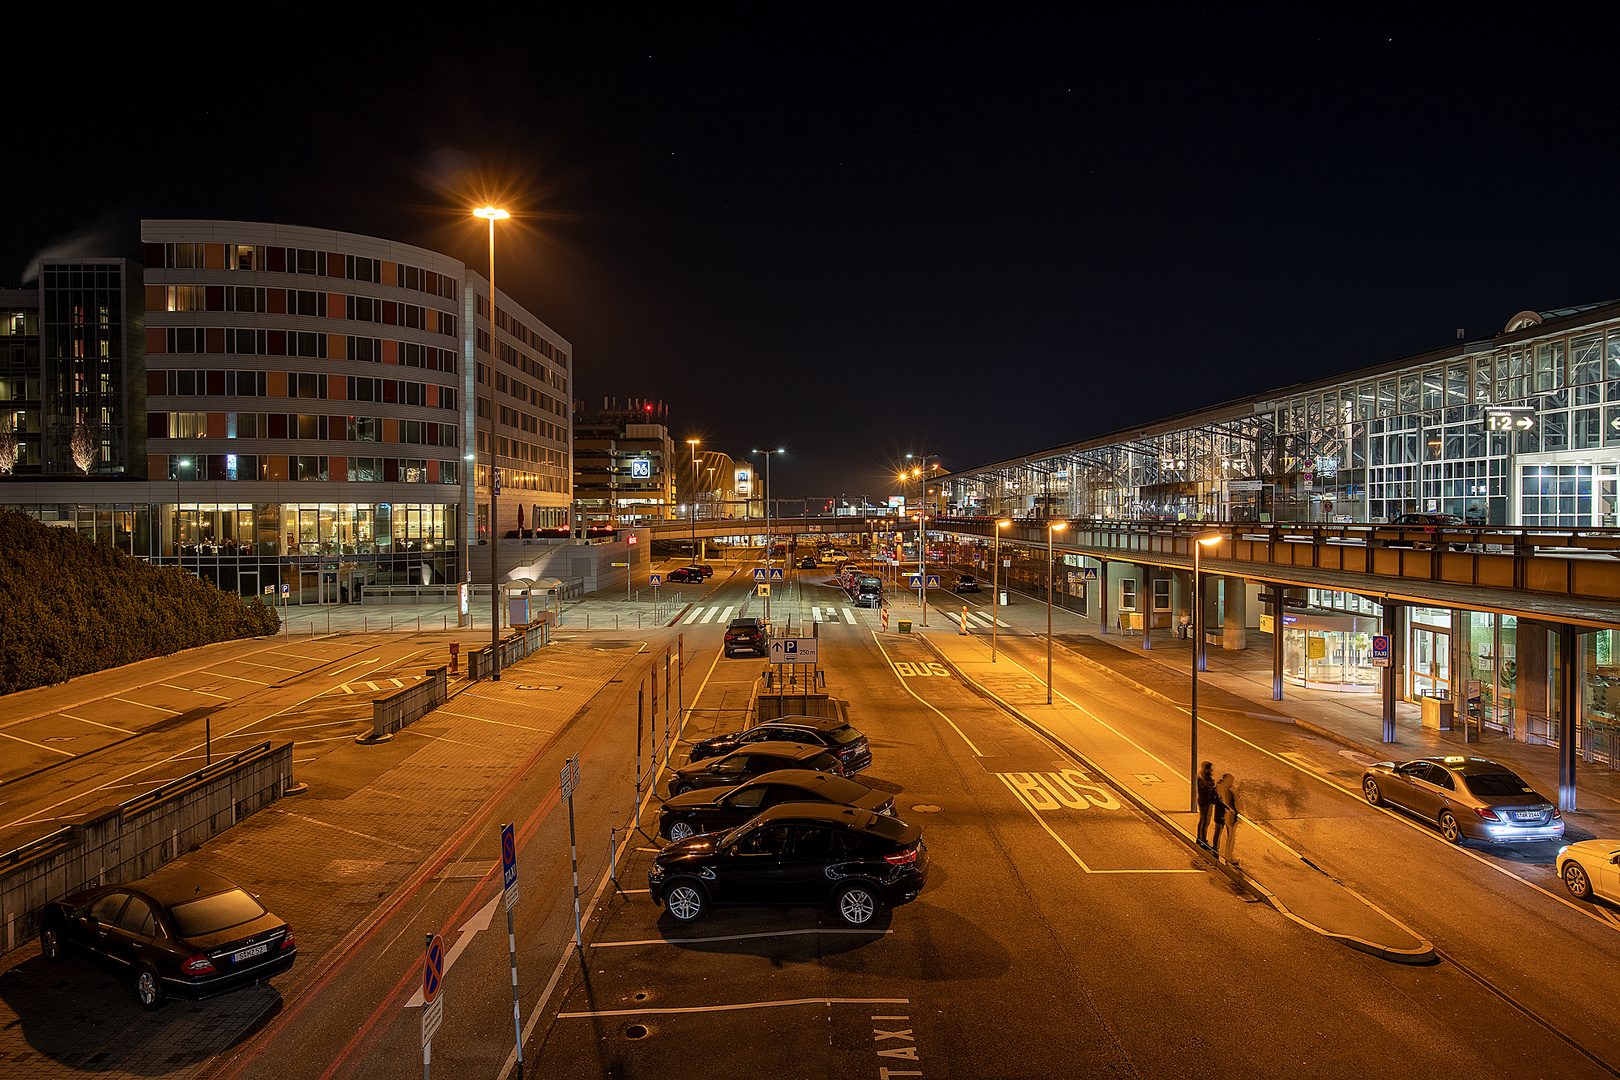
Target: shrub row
70,606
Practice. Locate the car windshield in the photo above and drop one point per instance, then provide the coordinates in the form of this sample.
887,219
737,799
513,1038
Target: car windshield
1496,784
211,914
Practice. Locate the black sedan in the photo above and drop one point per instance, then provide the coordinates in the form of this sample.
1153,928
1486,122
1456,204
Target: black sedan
703,811
801,854
750,761
187,934
967,583
854,754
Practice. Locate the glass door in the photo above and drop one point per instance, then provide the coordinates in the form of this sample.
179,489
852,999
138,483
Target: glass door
1431,661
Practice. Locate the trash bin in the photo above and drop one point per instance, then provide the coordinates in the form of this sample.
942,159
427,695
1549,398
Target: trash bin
905,626
1437,712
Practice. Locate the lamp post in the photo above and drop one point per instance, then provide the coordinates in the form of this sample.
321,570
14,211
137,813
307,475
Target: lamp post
492,215
693,443
995,588
1201,541
768,527
1051,528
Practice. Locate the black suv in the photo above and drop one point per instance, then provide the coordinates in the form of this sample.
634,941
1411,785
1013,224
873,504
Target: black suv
795,853
750,761
745,635
684,573
829,732
967,583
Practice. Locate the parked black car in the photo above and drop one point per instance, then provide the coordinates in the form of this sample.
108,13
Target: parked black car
702,568
745,635
967,583
684,573
707,810
750,761
187,934
807,563
797,854
828,732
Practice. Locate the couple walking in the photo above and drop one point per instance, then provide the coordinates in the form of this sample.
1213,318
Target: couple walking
1217,798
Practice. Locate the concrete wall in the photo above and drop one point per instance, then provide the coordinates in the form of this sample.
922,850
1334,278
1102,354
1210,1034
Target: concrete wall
391,713
129,841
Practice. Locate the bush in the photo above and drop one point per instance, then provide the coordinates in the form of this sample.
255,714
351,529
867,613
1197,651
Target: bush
70,606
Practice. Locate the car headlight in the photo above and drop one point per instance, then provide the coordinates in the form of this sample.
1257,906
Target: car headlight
1562,850
656,872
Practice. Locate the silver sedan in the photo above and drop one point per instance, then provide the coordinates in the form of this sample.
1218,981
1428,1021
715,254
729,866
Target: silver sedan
1467,798
1591,868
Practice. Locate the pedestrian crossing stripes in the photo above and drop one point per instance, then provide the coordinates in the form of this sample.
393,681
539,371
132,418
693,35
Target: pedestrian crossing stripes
978,619
830,615
708,616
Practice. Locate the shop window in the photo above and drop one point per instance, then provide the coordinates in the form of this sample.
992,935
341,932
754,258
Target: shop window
1127,594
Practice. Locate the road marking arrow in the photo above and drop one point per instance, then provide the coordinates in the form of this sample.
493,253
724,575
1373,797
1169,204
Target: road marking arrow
478,922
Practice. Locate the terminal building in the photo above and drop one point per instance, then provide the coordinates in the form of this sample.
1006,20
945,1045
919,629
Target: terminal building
1515,437
270,405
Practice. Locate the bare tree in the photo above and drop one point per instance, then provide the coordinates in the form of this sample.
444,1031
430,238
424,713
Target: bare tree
83,446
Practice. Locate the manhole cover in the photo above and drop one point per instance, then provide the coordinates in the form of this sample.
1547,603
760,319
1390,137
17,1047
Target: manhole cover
926,808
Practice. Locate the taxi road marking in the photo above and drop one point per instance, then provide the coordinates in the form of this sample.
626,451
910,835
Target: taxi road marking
732,1008
1077,859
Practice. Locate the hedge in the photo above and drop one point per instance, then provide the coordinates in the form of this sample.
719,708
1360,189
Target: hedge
70,606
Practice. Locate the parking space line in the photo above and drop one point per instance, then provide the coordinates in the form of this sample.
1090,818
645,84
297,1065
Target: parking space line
728,937
487,720
733,1008
189,690
37,746
1078,861
144,705
98,723
238,678
351,832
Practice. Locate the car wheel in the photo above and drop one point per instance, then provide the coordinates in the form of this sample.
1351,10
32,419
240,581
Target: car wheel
686,900
1449,828
1369,788
1576,881
50,945
681,831
679,789
149,988
856,904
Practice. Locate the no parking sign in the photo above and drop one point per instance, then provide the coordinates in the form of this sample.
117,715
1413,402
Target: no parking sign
1380,651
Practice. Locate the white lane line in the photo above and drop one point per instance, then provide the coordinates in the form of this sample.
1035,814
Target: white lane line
189,690
98,723
692,618
144,705
710,616
725,616
1077,860
850,615
815,614
907,684
238,678
726,937
35,745
731,1008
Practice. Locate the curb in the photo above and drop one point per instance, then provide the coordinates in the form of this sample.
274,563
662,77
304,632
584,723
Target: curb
1424,954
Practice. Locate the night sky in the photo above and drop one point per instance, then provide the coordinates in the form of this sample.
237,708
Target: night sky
854,232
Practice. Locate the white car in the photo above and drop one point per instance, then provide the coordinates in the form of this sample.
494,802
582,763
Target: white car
1591,868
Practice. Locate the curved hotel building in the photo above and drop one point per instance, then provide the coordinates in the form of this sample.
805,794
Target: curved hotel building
287,406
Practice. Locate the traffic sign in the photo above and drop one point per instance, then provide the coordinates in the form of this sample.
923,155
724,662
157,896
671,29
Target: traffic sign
916,581
497,475
933,581
432,983
286,589
760,574
776,573
793,650
1380,651
509,865
764,588
570,776
656,579
1087,573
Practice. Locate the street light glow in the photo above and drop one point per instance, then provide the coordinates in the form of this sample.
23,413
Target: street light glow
491,213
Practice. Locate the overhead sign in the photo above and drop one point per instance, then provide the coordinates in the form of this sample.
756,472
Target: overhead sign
793,650
640,468
1510,418
1236,486
509,864
432,983
1380,651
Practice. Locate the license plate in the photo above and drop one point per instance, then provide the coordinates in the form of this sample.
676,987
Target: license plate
1530,816
248,954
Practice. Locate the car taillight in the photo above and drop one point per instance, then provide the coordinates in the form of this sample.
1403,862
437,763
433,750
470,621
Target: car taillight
1486,813
287,942
1556,815
198,965
902,858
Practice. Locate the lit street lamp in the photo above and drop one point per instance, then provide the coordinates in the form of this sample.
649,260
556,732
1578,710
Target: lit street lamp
995,588
768,527
1051,528
1201,541
693,443
492,215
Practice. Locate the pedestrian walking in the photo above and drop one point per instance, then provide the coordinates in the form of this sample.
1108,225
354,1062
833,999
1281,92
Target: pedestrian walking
1226,822
1207,798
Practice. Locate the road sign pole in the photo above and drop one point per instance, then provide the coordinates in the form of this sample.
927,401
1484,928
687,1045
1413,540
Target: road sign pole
680,685
509,880
639,701
573,849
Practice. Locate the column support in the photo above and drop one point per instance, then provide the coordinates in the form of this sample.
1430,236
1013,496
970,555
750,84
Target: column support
1276,599
1392,675
1569,700
1144,605
1102,591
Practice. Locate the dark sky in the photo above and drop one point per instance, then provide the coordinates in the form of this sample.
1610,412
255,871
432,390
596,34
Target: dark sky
854,232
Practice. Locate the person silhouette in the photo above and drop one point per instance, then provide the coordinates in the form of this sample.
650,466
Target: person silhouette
1207,798
1226,823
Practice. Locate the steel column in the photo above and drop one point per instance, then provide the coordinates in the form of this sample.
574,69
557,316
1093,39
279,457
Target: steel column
1392,627
1569,702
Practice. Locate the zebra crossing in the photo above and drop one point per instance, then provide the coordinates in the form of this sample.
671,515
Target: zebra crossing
831,615
700,616
983,621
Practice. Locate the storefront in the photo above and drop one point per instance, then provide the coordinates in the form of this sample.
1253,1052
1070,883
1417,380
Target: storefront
1329,651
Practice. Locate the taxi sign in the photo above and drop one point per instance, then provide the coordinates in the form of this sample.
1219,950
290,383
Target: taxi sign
570,776
1380,649
509,864
764,588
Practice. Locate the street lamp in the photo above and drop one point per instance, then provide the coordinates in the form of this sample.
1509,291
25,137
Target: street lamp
768,527
493,214
693,443
1051,528
1201,541
995,588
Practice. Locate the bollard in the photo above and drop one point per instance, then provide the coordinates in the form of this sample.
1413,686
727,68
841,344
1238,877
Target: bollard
455,656
613,861
615,620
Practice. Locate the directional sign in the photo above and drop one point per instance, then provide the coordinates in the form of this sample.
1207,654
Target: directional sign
656,579
760,574
509,864
1380,650
432,983
776,573
793,650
